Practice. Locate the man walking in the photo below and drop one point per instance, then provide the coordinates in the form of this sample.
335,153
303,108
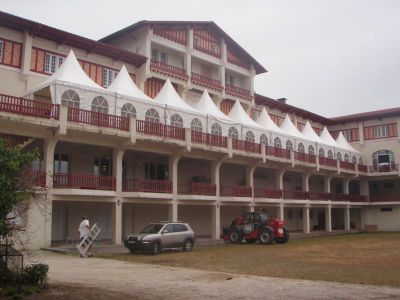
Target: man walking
84,231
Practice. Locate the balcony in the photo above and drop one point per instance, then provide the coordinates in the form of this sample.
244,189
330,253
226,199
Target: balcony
238,92
297,195
303,157
349,197
147,186
236,191
384,198
209,139
160,67
80,181
28,107
189,188
277,152
158,129
207,82
97,119
319,196
246,146
384,168
347,165
362,168
265,193
38,178
328,162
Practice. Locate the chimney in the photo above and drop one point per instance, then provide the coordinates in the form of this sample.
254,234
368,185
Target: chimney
282,100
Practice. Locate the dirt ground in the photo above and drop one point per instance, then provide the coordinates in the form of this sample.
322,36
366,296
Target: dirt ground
71,277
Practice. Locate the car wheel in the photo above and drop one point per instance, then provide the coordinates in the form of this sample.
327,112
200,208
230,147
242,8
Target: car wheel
266,236
155,248
235,236
132,251
188,246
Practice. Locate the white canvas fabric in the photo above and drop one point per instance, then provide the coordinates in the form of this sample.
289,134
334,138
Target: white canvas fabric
238,114
266,122
327,138
310,134
288,127
344,144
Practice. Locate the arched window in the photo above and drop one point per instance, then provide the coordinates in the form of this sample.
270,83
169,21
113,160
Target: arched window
346,158
250,137
128,111
300,148
233,133
339,156
216,129
100,104
354,159
383,160
70,98
311,150
196,125
152,116
321,152
360,161
289,145
263,139
177,121
277,143
330,154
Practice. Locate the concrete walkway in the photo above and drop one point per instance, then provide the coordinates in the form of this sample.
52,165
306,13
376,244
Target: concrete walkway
142,281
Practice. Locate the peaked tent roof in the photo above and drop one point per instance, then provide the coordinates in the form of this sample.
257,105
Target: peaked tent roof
207,106
327,138
344,144
170,97
288,127
309,133
124,85
238,114
266,122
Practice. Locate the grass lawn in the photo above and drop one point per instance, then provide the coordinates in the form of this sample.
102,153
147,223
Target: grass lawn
372,258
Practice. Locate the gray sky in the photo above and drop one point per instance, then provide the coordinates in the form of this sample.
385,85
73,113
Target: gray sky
330,57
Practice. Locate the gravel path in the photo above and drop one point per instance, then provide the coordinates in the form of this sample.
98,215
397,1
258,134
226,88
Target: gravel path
142,281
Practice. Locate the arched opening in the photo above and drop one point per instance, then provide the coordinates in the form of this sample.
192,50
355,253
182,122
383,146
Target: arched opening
70,98
152,116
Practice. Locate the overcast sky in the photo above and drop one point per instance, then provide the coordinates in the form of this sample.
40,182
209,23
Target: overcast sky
330,57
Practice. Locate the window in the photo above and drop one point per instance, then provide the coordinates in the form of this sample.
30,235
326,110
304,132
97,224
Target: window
70,98
1,50
381,131
216,129
250,137
154,54
176,121
61,163
383,160
255,114
128,111
156,171
346,158
348,134
108,76
354,159
263,139
321,152
300,148
163,57
180,228
168,228
311,150
230,80
196,125
52,62
100,104
233,133
360,161
339,156
330,154
152,116
277,143
289,145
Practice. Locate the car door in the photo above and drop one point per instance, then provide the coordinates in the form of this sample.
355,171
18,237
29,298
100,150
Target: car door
167,236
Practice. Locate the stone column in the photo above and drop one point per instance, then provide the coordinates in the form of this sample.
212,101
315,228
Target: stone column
215,175
306,220
328,218
281,212
173,170
173,212
216,221
118,155
48,159
347,218
117,221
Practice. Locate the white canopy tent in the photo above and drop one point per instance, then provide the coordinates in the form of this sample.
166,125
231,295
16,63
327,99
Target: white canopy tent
288,127
238,114
266,122
344,144
327,138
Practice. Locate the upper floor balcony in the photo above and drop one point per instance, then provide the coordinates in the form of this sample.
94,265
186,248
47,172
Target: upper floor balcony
207,82
384,168
238,92
195,188
167,69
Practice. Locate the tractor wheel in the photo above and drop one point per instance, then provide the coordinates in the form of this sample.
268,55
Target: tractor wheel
250,241
266,236
235,236
285,237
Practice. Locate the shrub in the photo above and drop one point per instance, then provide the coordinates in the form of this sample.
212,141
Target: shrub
36,274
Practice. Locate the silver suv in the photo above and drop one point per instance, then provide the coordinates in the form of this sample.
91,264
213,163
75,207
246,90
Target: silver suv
161,236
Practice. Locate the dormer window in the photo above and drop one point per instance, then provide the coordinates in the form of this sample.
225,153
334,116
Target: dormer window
52,62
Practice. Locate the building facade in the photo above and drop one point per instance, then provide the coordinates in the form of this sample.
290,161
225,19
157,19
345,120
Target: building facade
127,135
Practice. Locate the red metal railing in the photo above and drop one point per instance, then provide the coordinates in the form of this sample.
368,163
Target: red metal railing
329,162
172,70
384,198
209,139
147,185
98,119
384,168
236,191
39,178
300,195
277,152
179,38
265,193
246,146
362,168
207,81
80,181
319,196
190,188
341,197
159,129
358,198
347,165
308,158
237,91
216,53
28,107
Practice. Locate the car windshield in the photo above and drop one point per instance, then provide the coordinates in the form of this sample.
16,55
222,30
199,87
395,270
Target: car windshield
152,228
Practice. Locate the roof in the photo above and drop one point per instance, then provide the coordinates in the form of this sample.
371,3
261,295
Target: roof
288,127
238,114
265,121
344,144
327,138
309,133
207,24
377,114
70,39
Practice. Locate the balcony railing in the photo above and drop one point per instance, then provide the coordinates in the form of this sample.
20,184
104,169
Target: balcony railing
98,119
171,70
209,139
329,162
28,107
384,198
246,146
237,91
299,195
347,165
277,152
304,157
236,191
362,168
159,129
265,193
319,196
147,185
207,81
383,168
80,181
189,188
213,52
39,178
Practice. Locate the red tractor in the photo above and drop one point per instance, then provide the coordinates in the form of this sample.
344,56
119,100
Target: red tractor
255,226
